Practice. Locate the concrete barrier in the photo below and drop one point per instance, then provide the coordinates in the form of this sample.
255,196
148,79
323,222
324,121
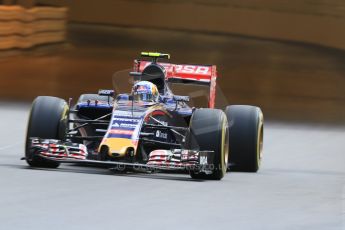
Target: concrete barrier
25,28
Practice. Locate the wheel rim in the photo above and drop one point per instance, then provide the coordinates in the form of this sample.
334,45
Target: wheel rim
260,140
225,145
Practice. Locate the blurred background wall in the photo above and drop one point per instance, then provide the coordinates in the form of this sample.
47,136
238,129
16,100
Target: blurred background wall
27,27
314,21
285,56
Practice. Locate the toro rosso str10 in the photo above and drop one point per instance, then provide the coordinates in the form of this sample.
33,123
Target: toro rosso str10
149,129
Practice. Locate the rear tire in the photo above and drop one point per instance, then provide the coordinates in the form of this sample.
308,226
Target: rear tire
209,131
246,126
48,120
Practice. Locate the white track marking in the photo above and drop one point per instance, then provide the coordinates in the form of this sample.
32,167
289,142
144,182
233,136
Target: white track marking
343,211
11,146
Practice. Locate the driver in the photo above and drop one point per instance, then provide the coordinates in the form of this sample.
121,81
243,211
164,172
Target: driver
145,91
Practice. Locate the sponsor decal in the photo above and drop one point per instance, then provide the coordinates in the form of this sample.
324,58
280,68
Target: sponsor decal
162,135
185,69
106,92
124,125
203,160
126,136
184,155
204,70
133,120
126,114
121,131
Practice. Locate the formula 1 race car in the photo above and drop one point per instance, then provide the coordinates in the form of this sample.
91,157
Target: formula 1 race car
149,129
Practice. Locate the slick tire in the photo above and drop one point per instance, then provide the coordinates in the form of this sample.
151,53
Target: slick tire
48,120
246,132
209,131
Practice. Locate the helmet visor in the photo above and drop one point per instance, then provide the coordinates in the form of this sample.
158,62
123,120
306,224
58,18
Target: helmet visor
144,97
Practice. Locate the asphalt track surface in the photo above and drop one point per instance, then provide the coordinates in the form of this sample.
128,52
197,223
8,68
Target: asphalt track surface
301,185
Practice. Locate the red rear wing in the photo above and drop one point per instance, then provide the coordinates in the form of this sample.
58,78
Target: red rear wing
193,74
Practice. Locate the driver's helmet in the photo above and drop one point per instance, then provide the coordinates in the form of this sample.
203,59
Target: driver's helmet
145,91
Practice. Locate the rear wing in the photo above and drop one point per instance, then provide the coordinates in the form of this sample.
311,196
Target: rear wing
188,74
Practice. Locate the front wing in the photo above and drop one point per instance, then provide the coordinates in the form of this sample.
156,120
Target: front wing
165,160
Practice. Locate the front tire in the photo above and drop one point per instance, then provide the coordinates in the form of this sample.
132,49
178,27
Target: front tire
209,131
246,127
48,120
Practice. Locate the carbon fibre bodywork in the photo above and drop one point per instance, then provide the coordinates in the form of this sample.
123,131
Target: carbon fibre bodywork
115,130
